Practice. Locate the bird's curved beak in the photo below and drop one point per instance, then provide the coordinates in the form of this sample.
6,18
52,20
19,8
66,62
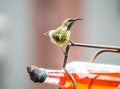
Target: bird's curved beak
75,19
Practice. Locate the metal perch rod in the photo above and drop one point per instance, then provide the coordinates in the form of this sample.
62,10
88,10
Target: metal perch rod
95,46
111,48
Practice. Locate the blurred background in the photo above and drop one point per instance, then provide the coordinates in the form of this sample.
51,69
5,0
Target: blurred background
22,43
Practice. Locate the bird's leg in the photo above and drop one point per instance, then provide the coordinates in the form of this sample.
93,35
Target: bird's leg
62,50
71,43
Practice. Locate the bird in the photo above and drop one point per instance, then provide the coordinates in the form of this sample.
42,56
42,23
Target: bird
61,35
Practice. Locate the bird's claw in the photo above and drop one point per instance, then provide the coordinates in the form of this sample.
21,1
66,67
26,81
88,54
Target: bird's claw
70,42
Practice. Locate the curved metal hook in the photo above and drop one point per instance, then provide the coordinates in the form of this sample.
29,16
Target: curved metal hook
93,58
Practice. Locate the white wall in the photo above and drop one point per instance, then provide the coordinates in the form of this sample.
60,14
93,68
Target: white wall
103,27
15,59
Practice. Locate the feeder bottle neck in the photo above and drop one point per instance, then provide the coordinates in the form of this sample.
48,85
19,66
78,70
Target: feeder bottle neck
41,75
91,80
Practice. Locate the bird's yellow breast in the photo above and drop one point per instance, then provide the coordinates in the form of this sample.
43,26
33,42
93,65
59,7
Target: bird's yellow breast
61,37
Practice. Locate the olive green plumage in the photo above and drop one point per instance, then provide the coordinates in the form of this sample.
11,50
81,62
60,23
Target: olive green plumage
61,35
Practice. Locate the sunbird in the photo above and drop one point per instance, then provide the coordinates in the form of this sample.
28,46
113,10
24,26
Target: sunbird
61,35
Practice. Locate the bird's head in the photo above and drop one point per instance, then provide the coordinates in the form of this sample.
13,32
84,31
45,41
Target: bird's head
69,22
